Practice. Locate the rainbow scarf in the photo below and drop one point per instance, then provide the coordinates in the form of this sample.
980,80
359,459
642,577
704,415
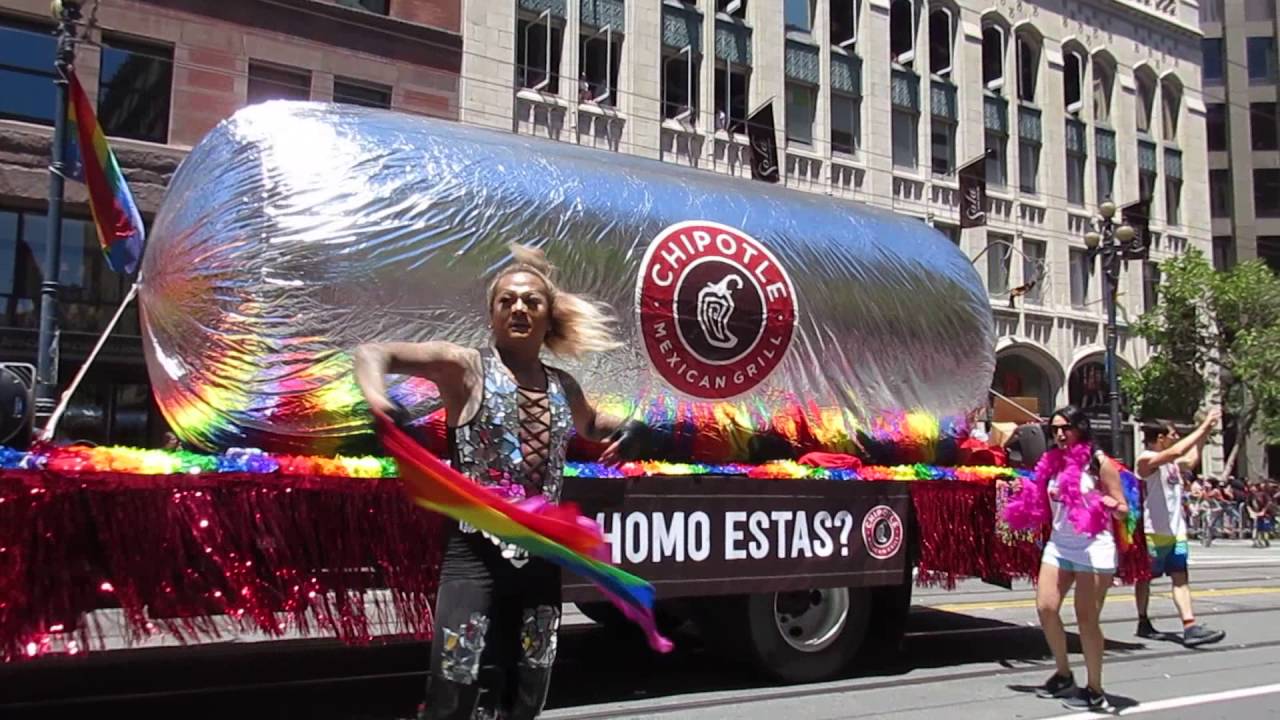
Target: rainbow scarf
556,533
114,213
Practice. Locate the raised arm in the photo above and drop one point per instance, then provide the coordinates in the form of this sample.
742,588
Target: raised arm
447,365
1181,449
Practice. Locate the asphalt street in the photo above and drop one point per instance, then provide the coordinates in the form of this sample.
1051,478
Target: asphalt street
977,652
972,652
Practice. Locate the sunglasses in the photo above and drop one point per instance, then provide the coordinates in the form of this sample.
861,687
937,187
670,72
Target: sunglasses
1052,430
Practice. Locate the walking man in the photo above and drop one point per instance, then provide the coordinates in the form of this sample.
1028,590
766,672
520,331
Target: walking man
1160,467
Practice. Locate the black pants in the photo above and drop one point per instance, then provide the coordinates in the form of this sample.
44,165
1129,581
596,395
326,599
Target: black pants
495,634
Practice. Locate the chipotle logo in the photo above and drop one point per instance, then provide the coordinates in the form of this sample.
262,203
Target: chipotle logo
717,310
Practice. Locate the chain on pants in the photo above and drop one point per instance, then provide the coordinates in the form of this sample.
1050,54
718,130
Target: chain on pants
495,634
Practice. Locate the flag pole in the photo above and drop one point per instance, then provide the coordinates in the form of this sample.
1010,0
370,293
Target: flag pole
68,13
51,425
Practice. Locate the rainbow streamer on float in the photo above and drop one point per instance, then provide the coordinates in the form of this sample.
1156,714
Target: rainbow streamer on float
554,533
115,215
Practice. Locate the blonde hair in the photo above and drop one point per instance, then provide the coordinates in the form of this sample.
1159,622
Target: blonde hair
578,325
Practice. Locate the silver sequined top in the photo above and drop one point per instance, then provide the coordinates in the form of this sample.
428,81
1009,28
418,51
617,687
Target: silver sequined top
487,449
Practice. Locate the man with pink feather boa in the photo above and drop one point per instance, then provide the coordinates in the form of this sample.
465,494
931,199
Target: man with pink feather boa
1077,489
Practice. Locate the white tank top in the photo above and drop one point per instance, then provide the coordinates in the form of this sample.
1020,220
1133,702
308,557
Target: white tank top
1065,534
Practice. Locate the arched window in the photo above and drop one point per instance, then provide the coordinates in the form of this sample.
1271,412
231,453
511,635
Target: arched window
1073,67
993,57
1171,102
1104,82
1028,46
941,39
1145,80
902,33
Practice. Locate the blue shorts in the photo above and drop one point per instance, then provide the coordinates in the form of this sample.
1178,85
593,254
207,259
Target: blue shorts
1168,555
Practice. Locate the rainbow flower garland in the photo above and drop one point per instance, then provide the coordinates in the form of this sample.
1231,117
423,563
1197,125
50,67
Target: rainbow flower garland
246,460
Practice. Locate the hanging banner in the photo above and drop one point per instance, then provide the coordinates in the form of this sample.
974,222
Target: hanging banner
973,194
764,144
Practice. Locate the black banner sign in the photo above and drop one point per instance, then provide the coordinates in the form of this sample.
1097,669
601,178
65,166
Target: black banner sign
714,535
764,144
973,193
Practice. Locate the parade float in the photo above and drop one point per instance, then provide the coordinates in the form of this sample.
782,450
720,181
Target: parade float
808,369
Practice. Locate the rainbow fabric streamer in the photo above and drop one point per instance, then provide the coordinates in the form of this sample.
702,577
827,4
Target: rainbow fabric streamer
115,214
555,533
1126,529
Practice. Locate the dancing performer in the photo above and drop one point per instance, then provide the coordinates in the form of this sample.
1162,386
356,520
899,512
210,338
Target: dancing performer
509,415
1084,493
1160,467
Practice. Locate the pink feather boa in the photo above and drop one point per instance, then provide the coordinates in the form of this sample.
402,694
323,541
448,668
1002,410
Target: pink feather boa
1029,508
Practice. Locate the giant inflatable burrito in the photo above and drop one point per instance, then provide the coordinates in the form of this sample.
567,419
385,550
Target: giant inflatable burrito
758,321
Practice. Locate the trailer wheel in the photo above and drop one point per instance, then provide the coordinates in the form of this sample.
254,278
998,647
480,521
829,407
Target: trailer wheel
807,635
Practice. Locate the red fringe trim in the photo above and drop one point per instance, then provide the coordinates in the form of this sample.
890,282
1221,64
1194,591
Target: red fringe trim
272,553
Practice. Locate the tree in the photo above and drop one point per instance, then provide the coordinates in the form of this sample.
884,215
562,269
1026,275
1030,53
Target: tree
1212,331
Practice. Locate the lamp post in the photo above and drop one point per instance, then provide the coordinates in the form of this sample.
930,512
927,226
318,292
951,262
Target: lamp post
1111,242
67,14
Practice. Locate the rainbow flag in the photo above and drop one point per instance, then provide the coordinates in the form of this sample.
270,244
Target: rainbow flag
556,533
114,213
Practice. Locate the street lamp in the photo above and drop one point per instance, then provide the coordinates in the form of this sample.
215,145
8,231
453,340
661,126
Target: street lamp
1114,243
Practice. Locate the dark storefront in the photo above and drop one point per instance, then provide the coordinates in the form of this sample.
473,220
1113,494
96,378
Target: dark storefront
113,405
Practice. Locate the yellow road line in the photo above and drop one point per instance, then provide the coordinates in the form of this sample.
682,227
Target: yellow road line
1030,602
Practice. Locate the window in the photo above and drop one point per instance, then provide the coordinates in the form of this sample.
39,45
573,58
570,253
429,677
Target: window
1213,58
846,123
373,6
1147,170
8,263
359,92
1266,192
844,22
993,57
1215,126
600,54
951,231
902,35
1211,11
941,33
1172,199
1224,253
1105,165
1146,101
1150,285
268,82
1262,59
1029,139
1104,80
1028,68
798,15
1259,10
999,260
680,85
1263,126
996,145
905,141
802,105
1220,193
731,99
26,71
734,8
1028,166
1073,82
90,289
135,82
1081,274
1077,159
1172,107
538,46
1269,253
943,144
1033,264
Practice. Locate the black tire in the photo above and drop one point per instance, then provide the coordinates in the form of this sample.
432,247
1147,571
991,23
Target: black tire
779,658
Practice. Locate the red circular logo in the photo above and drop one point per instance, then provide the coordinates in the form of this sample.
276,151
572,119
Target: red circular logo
717,310
882,532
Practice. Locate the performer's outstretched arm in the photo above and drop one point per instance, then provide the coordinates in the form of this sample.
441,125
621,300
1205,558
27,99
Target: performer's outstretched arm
452,368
